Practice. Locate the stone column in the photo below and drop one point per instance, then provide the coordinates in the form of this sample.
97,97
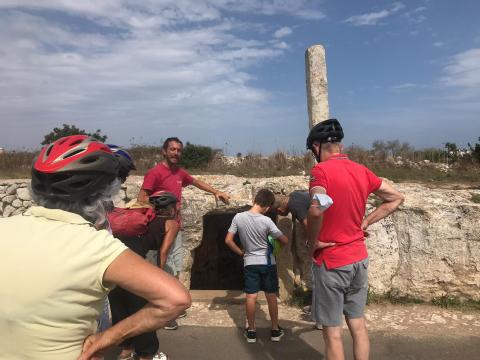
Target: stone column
317,87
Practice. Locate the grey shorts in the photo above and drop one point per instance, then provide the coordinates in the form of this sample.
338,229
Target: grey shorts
174,264
338,291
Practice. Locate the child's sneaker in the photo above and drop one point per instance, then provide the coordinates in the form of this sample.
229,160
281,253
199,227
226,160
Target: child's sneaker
182,315
276,335
160,356
250,335
172,325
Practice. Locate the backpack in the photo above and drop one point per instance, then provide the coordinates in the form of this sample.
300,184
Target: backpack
129,222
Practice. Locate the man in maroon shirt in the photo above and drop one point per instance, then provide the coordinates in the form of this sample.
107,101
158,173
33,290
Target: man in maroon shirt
168,176
339,189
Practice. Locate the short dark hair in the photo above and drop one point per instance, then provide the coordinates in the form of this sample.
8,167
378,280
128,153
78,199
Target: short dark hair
169,140
264,198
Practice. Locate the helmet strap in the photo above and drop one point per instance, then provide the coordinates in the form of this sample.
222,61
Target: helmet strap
315,153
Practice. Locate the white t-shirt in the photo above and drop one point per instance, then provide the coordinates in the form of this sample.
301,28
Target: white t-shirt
253,230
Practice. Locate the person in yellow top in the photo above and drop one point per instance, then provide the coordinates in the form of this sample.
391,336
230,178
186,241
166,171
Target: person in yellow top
56,267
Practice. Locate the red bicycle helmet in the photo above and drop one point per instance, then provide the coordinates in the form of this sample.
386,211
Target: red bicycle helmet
73,168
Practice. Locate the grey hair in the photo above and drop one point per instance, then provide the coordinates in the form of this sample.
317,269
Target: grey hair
93,209
331,146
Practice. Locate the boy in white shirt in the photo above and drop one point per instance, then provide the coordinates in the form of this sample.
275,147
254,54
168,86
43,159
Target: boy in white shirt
259,263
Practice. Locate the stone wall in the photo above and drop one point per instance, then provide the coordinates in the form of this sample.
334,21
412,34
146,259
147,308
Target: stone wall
429,248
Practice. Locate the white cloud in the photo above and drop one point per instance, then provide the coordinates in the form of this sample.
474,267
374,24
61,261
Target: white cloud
416,16
463,71
132,67
281,45
438,43
374,17
282,32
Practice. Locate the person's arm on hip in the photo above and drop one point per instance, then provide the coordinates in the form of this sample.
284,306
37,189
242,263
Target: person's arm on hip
315,219
392,199
230,242
167,298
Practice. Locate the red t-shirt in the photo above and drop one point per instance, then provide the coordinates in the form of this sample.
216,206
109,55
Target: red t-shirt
163,178
349,184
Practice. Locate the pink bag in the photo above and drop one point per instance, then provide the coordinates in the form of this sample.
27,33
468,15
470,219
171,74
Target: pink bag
130,222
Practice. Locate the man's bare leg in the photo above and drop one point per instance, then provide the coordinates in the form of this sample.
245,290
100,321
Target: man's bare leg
250,305
361,342
333,336
272,309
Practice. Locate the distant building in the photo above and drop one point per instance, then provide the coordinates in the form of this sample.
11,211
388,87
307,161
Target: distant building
1,150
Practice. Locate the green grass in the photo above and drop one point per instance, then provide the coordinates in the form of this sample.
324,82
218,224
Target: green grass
446,302
475,198
392,298
453,302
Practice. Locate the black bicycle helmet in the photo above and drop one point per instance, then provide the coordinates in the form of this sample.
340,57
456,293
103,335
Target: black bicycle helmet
326,131
125,160
162,199
73,168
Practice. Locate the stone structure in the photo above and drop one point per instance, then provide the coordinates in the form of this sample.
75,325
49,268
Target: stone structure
429,248
317,85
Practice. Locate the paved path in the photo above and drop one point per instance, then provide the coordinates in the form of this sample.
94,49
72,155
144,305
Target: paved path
213,331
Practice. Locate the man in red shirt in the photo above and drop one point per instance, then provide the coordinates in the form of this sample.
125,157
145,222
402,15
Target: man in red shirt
168,176
339,189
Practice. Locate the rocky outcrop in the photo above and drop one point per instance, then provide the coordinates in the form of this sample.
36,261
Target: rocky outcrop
429,248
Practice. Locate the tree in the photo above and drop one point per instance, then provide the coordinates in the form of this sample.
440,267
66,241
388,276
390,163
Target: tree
475,151
196,156
68,130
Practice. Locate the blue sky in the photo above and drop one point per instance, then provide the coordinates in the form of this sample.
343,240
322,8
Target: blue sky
230,73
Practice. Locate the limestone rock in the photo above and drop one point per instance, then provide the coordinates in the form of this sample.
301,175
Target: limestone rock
317,85
429,248
132,189
24,194
9,198
17,203
18,212
11,189
8,210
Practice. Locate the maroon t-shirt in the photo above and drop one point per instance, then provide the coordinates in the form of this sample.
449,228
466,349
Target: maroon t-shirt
349,184
163,178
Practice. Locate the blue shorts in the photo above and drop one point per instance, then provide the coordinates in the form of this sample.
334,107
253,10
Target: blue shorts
261,278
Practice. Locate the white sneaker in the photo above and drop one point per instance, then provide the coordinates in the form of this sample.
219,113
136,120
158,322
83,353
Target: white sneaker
160,356
182,315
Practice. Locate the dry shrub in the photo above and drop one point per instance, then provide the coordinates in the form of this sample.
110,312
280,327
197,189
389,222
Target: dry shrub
16,164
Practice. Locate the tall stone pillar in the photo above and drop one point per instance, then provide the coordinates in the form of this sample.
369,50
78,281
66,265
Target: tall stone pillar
317,87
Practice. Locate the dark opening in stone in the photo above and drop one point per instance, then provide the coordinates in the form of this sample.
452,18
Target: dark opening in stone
215,266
